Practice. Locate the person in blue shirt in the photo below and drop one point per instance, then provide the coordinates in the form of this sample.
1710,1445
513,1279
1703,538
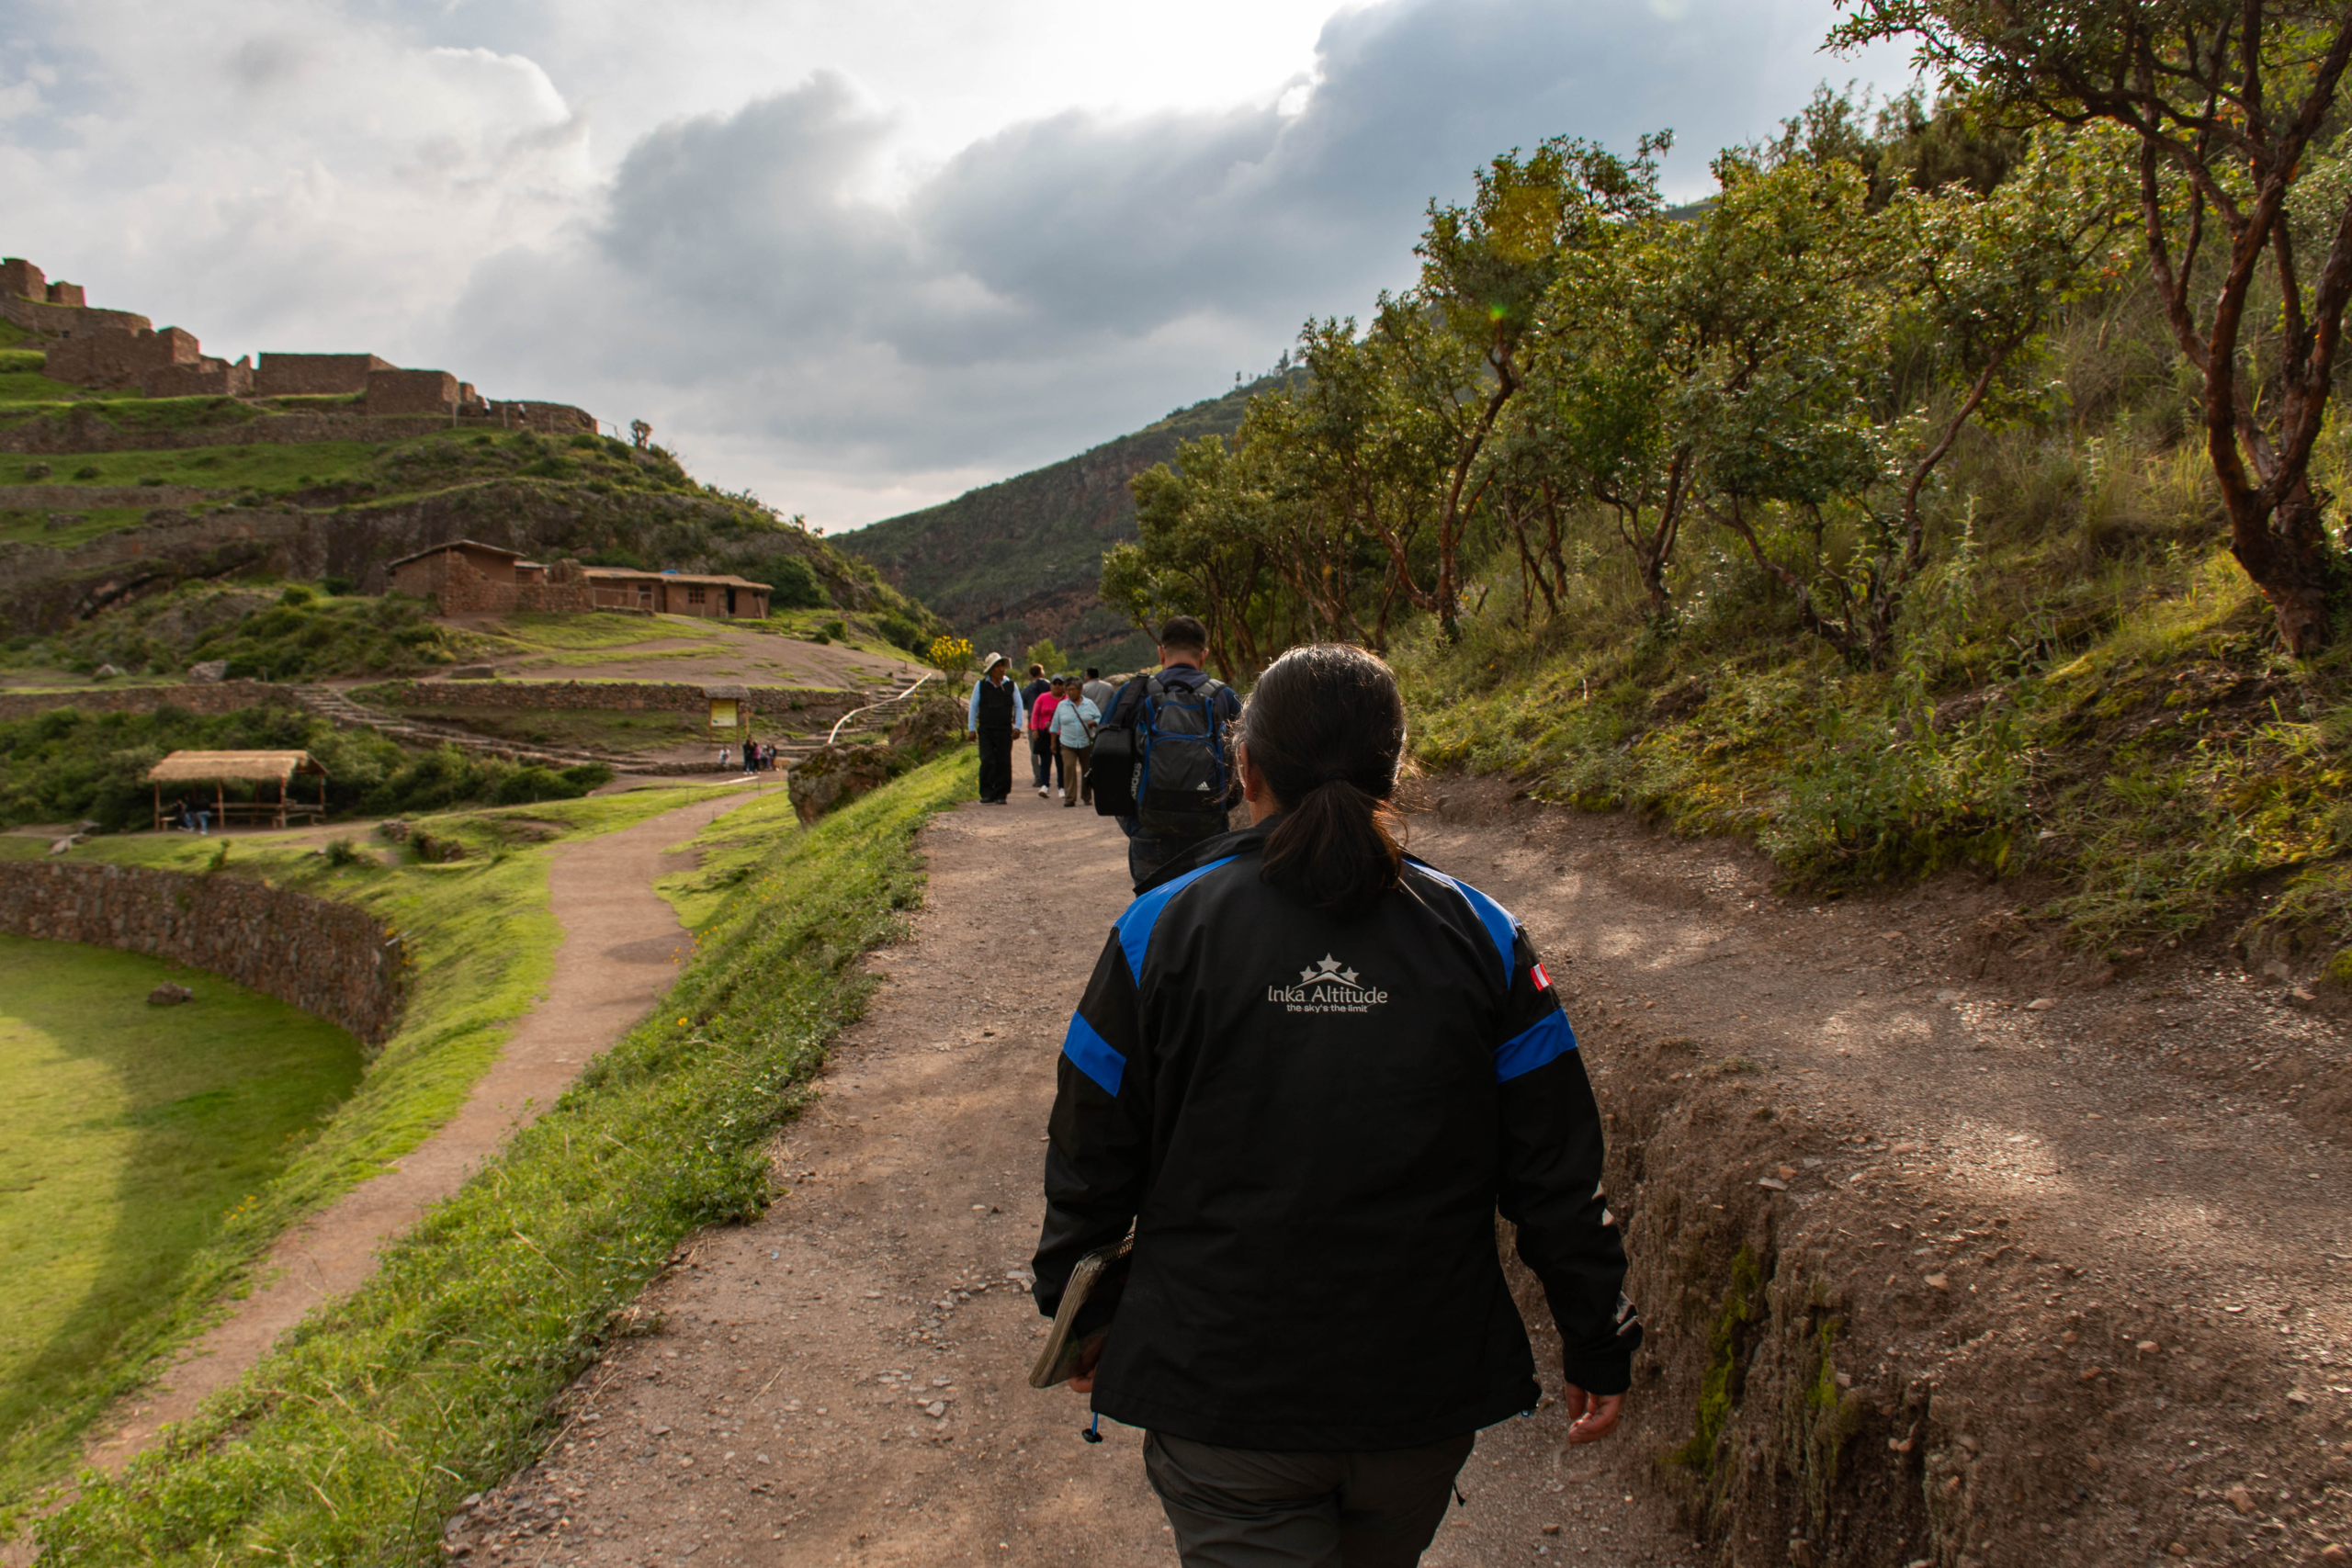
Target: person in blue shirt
1076,719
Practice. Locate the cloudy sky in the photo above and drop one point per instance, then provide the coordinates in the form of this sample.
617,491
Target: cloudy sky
857,258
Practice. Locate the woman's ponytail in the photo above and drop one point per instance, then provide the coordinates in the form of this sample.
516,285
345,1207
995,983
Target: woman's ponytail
1325,729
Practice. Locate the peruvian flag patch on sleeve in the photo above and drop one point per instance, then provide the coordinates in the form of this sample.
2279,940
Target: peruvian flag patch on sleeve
1543,981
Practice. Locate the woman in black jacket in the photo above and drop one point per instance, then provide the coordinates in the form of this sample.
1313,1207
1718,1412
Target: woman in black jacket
1308,1070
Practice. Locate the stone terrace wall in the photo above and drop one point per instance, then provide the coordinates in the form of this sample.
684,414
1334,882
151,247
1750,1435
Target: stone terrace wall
812,706
82,429
225,696
327,958
64,321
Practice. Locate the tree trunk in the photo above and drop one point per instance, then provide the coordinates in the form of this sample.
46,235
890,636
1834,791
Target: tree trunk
2289,558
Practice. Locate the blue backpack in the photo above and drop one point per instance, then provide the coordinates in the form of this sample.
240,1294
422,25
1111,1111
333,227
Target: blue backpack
1181,774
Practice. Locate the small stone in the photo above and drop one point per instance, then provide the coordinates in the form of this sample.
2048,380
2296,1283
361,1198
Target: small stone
1810,1163
1551,1530
2177,1549
2335,1553
2297,1396
1967,1441
1773,1183
209,671
2277,970
2041,1004
1904,1149
2098,1465
1939,1282
2240,1499
2147,1346
106,673
2090,1375
1947,996
2303,995
1899,1445
169,995
1788,1173
935,1409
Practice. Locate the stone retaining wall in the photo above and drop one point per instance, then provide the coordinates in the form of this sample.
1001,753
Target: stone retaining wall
224,697
327,958
608,696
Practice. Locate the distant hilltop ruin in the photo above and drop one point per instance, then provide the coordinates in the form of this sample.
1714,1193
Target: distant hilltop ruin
118,351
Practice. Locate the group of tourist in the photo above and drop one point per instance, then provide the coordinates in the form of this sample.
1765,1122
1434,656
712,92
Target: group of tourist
758,758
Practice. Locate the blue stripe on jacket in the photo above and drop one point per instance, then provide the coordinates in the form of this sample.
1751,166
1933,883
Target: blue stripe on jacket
1135,926
1502,928
1094,1056
1547,1040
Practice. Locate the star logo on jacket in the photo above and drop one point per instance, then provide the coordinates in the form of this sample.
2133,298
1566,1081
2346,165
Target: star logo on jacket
1328,986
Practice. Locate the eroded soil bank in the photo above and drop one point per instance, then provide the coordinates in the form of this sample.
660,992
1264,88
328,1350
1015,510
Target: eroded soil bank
1953,1251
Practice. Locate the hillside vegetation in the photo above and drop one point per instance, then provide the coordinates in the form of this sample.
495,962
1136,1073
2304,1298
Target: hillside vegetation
123,496
1018,562
1875,510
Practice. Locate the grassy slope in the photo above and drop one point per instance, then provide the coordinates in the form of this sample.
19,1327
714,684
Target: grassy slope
133,1133
482,943
351,1443
2114,730
990,551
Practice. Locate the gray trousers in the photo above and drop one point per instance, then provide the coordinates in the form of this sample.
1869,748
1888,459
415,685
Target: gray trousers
1243,1508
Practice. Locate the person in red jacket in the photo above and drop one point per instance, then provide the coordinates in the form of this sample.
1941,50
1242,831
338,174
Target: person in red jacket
1308,1071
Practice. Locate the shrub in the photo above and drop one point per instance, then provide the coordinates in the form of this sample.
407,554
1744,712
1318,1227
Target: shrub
342,853
837,630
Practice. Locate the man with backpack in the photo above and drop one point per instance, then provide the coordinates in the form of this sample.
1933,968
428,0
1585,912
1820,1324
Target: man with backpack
1162,758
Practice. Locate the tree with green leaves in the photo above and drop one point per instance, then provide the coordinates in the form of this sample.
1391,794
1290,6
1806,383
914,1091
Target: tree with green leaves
2229,117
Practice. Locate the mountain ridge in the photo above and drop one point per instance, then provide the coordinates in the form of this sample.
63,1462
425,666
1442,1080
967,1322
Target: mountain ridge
1019,560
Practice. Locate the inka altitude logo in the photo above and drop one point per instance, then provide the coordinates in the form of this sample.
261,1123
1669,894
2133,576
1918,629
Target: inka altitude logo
1327,987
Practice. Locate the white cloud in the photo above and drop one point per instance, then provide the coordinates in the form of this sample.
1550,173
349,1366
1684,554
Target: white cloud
857,258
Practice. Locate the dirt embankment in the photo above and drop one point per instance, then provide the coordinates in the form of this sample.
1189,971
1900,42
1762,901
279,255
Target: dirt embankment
1953,1251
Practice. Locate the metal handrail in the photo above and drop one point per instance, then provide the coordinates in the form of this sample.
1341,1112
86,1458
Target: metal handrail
886,701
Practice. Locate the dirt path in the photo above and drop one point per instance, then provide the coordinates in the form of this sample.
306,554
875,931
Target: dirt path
845,1381
2077,1238
621,947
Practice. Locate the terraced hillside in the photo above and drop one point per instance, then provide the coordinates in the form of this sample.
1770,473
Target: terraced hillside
105,498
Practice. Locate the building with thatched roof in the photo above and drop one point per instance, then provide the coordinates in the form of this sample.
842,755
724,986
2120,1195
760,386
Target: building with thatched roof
254,769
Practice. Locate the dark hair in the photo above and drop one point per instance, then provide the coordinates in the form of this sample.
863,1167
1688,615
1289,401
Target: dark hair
1092,673
1184,631
1326,730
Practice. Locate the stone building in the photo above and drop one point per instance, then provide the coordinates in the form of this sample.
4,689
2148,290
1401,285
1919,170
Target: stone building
115,358
465,578
315,375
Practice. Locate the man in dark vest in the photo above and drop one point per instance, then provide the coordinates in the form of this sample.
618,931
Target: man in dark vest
994,717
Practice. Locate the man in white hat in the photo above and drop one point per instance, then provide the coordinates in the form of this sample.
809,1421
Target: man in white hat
994,717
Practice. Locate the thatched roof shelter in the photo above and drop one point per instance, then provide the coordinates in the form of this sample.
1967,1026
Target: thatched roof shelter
220,769
243,767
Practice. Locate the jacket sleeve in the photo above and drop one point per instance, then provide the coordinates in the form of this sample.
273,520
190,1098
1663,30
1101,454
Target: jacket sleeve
1098,1151
1551,1168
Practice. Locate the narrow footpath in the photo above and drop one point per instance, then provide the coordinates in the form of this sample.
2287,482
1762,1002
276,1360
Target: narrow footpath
621,948
2078,1230
846,1380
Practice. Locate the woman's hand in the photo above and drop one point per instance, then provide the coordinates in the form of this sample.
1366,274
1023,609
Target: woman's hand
1591,1416
1082,1380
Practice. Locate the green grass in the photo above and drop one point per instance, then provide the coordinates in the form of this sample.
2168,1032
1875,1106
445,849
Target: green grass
272,468
133,1133
30,525
535,631
732,849
351,1443
482,941
21,381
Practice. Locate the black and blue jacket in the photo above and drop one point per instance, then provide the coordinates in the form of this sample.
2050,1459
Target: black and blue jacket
1311,1123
